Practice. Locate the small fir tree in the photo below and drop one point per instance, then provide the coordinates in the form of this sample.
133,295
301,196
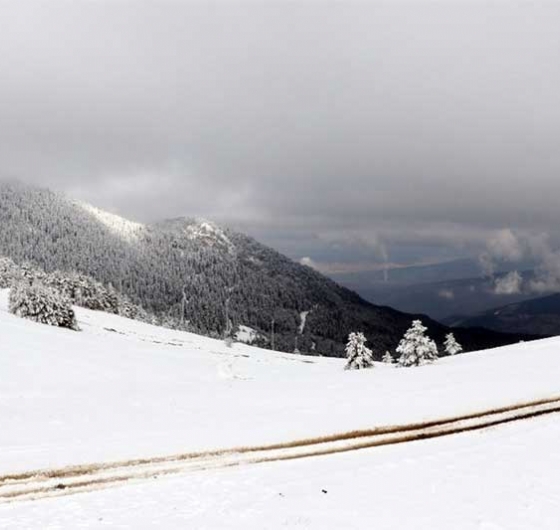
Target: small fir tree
388,358
358,354
452,347
415,347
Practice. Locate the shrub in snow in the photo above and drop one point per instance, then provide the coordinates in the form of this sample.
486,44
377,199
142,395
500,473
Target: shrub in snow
42,304
84,291
415,347
452,347
388,358
358,354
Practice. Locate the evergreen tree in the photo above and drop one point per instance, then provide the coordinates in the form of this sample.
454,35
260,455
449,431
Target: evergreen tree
452,347
388,358
358,354
415,348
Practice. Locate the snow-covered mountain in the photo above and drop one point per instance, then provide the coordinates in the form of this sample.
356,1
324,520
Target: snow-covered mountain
119,411
205,269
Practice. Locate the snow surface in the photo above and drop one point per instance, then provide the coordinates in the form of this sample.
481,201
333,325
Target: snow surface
502,479
208,231
302,321
121,389
246,334
127,230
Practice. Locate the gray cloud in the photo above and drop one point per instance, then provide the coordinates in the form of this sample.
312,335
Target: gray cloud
389,126
506,246
509,284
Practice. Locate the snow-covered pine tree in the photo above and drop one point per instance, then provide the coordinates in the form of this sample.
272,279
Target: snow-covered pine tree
452,347
415,347
42,304
388,358
358,354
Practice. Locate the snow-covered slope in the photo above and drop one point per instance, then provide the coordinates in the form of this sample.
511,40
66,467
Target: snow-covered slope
503,479
127,230
122,389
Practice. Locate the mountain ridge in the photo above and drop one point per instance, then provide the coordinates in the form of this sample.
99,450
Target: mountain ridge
212,273
541,315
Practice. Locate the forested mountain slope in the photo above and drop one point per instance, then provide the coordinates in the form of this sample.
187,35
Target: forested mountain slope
220,272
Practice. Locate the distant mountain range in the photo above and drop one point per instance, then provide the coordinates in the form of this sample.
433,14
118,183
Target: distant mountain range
538,316
213,273
457,294
444,299
439,291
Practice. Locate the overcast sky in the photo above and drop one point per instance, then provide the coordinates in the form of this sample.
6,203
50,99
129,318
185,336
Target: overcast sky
338,131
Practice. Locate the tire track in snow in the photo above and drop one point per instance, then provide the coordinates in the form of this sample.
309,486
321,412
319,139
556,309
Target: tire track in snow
74,479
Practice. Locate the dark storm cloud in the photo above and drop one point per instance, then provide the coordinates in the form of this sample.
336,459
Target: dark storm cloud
314,125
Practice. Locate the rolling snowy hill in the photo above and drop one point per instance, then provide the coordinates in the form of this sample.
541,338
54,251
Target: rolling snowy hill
121,390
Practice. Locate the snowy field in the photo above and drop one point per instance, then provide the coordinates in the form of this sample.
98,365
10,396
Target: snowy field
503,479
121,389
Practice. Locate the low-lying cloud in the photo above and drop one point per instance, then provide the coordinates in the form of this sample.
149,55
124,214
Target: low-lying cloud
316,127
509,284
506,246
446,294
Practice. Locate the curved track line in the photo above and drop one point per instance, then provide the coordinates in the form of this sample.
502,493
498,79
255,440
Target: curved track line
74,479
69,471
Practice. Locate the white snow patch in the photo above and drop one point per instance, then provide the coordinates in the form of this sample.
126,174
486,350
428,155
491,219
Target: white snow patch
302,321
124,228
207,231
246,335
